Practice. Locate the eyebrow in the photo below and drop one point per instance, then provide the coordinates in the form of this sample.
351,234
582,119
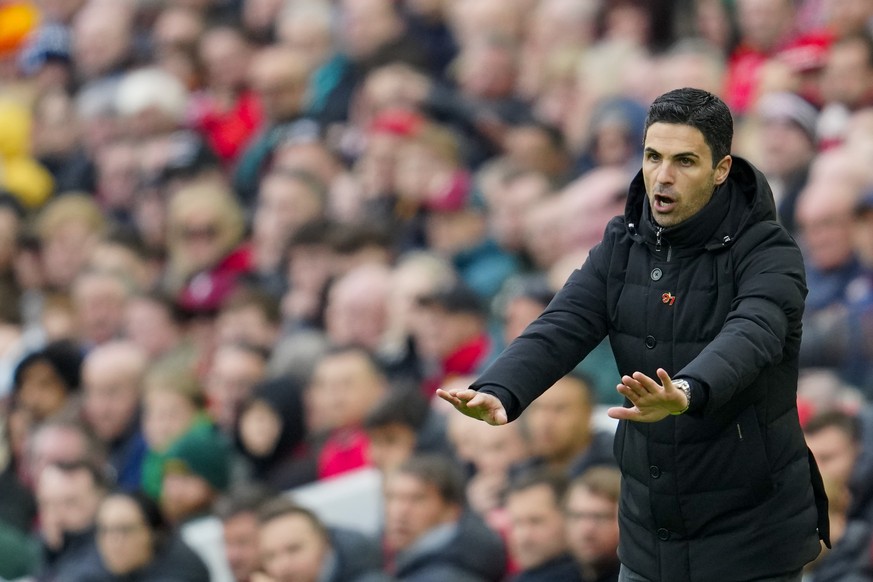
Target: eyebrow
677,155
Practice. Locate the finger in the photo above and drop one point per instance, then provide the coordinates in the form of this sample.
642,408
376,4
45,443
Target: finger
622,413
647,383
448,397
664,376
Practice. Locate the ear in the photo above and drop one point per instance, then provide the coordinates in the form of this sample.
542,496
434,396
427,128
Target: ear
722,169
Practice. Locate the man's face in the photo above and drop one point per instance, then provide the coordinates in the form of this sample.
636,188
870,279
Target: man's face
559,421
536,532
241,544
184,495
390,445
344,388
413,508
592,526
291,549
110,401
834,452
68,501
231,379
678,172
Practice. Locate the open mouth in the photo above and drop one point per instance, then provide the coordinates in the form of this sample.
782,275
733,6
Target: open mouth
663,203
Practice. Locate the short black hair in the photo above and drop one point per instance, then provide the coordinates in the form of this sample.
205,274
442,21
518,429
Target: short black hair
699,109
439,471
556,481
843,421
283,506
246,498
403,406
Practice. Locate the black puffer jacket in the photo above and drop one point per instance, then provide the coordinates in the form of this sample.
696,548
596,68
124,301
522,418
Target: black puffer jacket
725,492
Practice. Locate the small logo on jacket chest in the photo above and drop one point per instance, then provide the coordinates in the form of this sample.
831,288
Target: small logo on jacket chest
668,298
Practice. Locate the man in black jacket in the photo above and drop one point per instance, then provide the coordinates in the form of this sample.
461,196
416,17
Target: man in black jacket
701,292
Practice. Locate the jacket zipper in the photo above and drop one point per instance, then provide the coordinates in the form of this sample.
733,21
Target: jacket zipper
658,232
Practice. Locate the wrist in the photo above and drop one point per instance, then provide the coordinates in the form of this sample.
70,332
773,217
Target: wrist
685,388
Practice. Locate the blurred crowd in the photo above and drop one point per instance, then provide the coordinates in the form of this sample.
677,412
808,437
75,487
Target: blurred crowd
242,242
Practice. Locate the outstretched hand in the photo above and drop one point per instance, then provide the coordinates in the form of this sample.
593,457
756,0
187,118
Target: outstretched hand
476,405
651,401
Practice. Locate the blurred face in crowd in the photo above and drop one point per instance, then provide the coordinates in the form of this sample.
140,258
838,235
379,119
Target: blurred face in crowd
344,387
835,453
102,37
260,427
235,371
149,324
559,422
764,23
390,445
67,501
42,391
166,417
785,147
413,508
241,544
247,324
439,332
848,74
53,444
184,494
279,77
292,549
678,172
356,311
226,56
592,526
124,539
65,251
368,25
536,533
824,217
99,300
111,395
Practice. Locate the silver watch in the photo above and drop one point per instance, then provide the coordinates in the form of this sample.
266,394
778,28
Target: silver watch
686,388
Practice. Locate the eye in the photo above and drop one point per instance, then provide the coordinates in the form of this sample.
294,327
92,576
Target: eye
686,162
652,156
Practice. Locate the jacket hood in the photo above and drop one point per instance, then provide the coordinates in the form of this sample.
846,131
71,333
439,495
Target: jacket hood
743,199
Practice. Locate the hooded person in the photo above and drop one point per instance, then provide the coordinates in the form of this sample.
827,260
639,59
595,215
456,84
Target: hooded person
270,431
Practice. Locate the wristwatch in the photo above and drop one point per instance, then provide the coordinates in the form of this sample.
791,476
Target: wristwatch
686,388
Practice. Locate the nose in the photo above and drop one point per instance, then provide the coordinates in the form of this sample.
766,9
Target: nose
665,173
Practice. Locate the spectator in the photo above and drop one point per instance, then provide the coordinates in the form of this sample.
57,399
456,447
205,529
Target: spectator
226,112
346,384
400,427
238,510
46,382
133,541
233,371
357,307
154,323
537,539
287,199
271,431
295,546
428,535
450,333
278,76
196,473
68,496
99,301
112,377
788,147
68,229
560,430
591,515
172,406
206,259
